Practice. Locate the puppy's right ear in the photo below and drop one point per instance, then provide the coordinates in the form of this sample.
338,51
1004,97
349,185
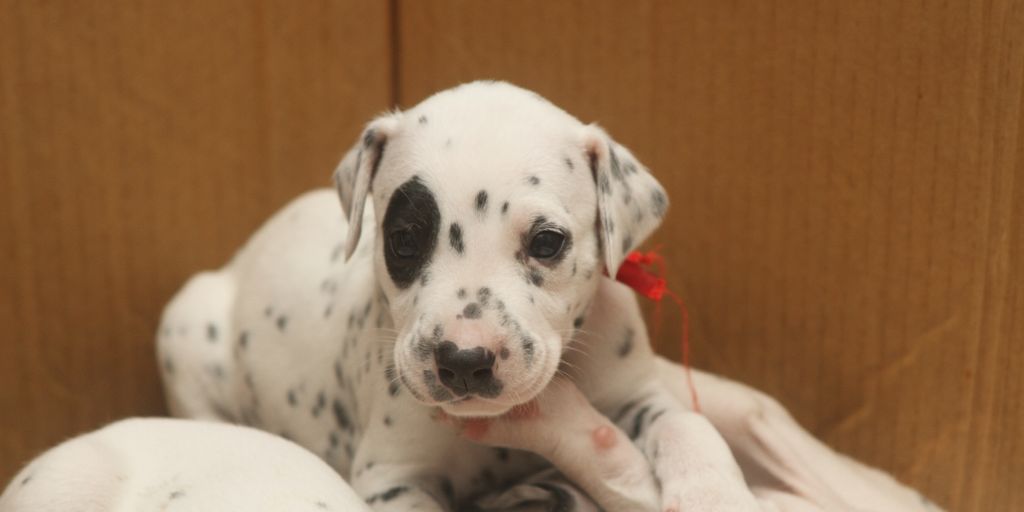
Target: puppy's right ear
354,175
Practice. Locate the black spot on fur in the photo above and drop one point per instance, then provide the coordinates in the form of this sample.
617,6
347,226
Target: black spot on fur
627,343
503,353
211,333
483,295
341,415
412,210
533,180
528,348
504,208
604,185
292,399
243,340
282,323
638,422
563,501
569,164
659,202
423,120
390,375
321,403
481,201
461,293
176,494
455,237
387,421
388,495
471,311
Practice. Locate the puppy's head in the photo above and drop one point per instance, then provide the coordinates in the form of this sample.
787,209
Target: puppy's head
496,215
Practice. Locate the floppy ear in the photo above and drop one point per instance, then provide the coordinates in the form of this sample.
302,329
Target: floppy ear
630,202
355,173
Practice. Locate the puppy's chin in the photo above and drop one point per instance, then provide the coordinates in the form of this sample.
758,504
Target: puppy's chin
475,408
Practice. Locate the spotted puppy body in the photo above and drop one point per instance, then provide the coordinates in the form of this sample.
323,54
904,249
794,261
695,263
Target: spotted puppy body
480,224
468,279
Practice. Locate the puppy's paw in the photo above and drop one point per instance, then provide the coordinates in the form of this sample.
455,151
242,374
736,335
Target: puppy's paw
680,494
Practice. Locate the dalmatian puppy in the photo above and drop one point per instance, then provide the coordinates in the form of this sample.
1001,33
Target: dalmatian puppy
469,272
459,322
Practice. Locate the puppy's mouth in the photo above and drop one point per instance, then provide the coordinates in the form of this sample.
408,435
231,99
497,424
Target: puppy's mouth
475,407
429,391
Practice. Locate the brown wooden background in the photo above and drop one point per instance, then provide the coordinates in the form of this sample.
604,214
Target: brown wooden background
847,181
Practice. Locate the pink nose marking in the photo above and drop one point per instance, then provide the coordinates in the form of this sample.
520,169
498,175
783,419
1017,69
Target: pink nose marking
603,437
470,335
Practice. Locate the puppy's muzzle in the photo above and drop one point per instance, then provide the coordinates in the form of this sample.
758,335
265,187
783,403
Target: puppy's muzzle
467,371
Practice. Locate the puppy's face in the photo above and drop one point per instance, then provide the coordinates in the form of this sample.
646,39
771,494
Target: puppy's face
489,243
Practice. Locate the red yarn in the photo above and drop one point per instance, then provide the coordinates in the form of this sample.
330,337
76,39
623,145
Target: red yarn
633,273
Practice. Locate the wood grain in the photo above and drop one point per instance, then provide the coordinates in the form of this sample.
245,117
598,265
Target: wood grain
847,187
141,142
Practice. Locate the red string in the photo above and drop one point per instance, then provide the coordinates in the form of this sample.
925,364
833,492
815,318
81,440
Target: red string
653,286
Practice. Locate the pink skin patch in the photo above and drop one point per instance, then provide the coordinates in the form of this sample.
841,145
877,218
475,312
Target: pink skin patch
475,428
603,437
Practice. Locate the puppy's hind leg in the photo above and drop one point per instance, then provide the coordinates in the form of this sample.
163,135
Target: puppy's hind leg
689,458
775,452
194,344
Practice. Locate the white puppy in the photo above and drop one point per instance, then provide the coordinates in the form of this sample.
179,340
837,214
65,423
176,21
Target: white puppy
154,465
470,271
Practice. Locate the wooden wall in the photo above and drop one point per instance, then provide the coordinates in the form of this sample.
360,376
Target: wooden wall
847,182
140,142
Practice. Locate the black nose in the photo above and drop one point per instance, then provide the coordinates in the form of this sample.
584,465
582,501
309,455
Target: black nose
466,371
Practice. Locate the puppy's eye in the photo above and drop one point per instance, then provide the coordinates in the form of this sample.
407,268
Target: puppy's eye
546,244
403,244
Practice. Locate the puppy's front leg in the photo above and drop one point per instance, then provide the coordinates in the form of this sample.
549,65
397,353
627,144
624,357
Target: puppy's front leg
563,427
689,458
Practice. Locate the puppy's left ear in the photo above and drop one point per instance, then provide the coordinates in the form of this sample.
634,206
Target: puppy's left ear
630,202
354,175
